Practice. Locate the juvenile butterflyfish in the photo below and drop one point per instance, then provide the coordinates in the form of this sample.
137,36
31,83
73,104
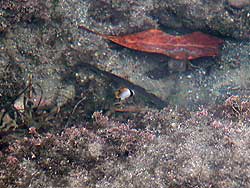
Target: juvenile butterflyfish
124,93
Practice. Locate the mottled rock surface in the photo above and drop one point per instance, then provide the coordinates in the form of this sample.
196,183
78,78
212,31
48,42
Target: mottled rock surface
215,16
182,128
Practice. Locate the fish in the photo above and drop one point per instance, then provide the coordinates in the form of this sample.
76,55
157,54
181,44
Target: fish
124,93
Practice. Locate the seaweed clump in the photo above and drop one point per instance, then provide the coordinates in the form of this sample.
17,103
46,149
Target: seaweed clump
172,147
206,148
81,152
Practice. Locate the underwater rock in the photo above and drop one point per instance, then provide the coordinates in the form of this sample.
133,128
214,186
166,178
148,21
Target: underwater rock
172,147
215,16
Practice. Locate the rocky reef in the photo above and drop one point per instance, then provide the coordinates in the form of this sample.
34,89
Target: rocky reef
62,126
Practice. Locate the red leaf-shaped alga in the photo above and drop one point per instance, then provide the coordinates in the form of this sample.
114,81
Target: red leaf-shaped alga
186,47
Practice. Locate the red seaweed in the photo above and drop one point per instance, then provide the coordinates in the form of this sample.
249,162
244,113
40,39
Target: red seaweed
186,47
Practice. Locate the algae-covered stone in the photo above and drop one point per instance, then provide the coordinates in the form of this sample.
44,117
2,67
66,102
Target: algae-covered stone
215,16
